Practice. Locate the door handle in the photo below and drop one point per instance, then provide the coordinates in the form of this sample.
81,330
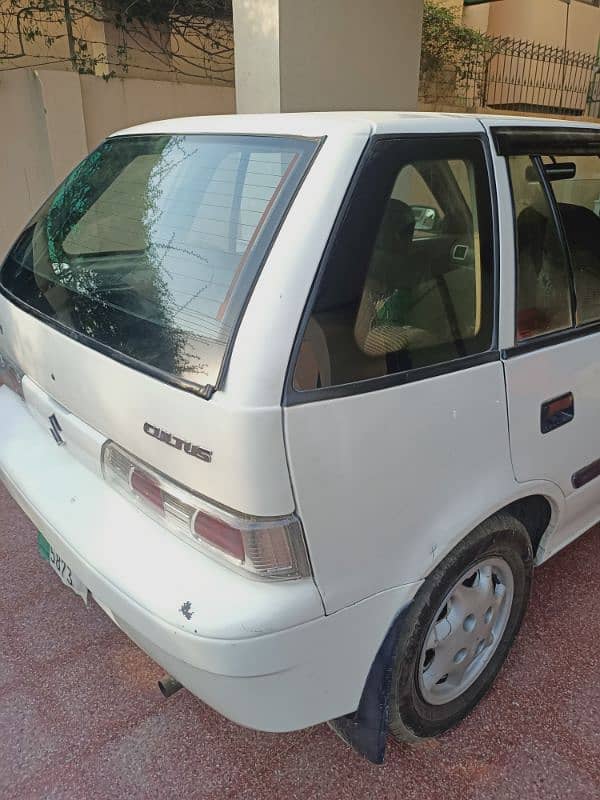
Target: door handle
557,412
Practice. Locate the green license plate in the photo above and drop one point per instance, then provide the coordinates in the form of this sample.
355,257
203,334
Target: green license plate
61,567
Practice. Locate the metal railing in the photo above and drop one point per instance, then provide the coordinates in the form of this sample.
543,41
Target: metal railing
517,75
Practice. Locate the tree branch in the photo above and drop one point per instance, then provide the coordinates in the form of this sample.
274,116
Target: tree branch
157,28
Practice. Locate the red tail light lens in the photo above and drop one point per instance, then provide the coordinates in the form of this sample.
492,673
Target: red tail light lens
219,534
148,488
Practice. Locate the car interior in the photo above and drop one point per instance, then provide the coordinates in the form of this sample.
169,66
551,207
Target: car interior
543,270
422,290
582,231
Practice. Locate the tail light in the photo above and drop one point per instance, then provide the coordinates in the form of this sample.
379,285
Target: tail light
266,547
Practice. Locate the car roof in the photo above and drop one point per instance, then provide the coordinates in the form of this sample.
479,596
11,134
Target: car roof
342,122
316,124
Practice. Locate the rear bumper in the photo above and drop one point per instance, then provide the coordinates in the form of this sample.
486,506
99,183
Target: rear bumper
263,654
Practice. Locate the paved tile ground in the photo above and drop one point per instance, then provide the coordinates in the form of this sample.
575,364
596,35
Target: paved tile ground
81,717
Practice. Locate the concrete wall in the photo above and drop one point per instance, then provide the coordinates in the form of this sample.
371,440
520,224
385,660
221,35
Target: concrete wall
118,103
453,5
340,55
51,47
193,58
528,82
545,21
52,119
477,17
334,55
25,169
256,38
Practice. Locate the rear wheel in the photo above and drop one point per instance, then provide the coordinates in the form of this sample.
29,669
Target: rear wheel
459,629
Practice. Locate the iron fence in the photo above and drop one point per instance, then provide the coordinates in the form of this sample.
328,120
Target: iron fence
517,75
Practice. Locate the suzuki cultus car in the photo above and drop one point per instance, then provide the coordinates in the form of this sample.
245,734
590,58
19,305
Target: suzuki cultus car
301,400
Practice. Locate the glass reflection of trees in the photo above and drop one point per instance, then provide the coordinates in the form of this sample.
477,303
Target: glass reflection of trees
127,307
151,245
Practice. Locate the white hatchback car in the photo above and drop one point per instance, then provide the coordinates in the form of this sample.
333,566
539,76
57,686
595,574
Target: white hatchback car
301,399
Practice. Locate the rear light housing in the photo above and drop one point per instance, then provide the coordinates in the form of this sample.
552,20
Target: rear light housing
11,375
263,547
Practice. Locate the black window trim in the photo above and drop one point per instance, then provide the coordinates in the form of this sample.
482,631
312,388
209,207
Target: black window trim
526,140
551,339
292,396
562,237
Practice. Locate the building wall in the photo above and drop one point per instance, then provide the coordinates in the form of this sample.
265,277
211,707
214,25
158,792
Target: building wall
54,50
544,21
477,17
454,5
51,119
25,169
256,34
119,103
334,55
145,49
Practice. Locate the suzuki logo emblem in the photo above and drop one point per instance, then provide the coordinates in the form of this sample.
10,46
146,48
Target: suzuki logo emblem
56,430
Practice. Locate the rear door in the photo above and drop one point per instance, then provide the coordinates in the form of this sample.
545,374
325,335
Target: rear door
121,299
553,371
395,412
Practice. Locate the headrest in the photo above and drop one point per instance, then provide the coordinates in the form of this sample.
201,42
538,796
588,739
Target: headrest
397,226
582,226
395,234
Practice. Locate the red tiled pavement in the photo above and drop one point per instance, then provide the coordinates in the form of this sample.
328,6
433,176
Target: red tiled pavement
81,717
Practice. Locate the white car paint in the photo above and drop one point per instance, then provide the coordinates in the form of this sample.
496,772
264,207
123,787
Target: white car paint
386,483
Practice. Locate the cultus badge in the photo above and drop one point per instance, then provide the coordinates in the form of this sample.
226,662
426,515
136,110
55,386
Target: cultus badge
179,444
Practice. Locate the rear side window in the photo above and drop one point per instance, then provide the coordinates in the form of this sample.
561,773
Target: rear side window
557,208
543,293
409,284
151,246
578,200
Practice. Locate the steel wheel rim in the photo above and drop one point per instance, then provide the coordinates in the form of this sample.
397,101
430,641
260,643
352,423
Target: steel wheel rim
466,630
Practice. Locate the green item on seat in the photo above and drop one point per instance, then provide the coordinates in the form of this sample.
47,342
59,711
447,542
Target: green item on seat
395,308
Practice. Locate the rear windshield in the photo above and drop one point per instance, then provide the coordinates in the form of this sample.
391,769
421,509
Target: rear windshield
151,246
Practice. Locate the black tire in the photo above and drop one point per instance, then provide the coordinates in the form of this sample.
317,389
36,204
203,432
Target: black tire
411,717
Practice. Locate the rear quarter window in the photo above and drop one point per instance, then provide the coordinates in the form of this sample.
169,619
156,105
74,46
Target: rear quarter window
407,287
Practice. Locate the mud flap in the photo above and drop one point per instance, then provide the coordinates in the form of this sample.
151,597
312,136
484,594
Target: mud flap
366,730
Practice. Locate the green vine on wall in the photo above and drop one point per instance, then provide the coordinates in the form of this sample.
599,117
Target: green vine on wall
190,37
444,40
